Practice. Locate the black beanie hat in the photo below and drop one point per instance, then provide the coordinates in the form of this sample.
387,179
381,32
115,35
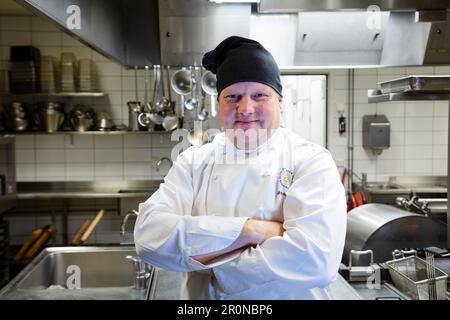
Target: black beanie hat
238,59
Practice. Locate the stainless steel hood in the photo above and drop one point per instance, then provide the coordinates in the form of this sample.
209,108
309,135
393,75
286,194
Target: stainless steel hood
348,39
338,39
318,33
125,31
190,28
277,6
300,33
147,32
352,33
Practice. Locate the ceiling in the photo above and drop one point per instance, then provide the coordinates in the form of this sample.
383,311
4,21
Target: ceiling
10,7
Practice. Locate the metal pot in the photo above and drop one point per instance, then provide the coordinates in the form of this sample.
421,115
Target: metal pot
105,122
82,118
49,116
81,124
52,120
16,117
16,124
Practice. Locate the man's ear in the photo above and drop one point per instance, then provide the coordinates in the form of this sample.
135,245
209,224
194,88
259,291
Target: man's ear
280,101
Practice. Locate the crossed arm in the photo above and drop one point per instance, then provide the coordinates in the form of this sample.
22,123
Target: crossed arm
308,255
254,231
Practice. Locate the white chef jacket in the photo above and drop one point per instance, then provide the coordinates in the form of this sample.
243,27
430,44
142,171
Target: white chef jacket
204,201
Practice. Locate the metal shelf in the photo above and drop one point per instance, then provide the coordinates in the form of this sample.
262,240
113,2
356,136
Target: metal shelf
82,132
375,96
56,94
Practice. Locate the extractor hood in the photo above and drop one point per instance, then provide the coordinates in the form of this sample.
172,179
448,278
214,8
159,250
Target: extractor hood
300,33
284,6
349,38
147,32
123,30
367,32
190,28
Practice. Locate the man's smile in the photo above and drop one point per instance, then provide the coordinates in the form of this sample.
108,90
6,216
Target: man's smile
247,124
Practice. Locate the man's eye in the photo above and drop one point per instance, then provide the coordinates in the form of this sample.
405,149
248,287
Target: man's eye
232,98
259,96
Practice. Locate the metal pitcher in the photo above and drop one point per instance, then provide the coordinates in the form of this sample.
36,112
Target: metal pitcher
134,110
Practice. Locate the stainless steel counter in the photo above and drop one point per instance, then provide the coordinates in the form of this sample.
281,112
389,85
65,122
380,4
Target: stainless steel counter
105,273
167,286
405,184
402,186
87,189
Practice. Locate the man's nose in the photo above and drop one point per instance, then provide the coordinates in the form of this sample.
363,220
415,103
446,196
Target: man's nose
245,106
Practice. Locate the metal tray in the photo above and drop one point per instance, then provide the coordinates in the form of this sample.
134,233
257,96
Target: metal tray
416,84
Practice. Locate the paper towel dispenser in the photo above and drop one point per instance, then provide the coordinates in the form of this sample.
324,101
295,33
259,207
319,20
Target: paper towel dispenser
376,133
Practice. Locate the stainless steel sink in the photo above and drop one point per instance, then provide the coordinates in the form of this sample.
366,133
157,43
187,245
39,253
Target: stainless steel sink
103,273
387,186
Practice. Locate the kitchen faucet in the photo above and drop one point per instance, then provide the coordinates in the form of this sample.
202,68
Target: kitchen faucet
143,272
125,219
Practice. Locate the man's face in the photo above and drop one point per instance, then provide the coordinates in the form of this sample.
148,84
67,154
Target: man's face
250,106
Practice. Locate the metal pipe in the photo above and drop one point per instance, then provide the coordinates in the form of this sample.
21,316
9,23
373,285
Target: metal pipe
350,136
353,125
348,131
448,179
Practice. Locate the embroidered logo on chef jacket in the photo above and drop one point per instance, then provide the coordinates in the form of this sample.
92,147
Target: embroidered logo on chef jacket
284,181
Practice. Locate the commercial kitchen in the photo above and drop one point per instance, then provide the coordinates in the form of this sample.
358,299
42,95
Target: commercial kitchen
97,97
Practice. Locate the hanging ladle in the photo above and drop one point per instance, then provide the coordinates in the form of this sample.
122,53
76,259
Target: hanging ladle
144,117
203,113
192,103
209,82
163,103
181,84
170,121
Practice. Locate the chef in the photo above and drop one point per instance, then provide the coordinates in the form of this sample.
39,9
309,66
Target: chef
258,213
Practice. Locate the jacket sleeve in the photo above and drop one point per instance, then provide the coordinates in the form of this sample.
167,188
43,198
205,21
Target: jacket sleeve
310,250
167,233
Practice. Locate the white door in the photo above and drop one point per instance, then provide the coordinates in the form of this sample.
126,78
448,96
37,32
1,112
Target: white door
304,106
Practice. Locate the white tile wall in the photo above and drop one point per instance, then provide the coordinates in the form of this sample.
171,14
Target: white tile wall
84,156
419,129
88,157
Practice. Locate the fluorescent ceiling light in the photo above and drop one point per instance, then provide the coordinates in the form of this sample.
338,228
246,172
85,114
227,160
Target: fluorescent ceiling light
235,1
325,67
